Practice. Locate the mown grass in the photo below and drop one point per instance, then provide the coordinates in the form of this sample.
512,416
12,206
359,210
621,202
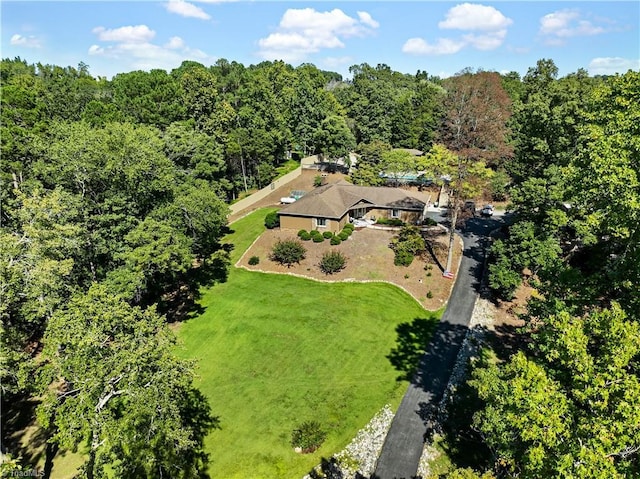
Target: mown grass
276,350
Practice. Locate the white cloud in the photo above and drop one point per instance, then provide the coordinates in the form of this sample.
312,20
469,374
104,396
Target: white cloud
488,41
336,62
130,34
174,43
471,16
30,42
367,20
612,65
96,50
186,9
132,50
486,29
563,24
444,46
305,31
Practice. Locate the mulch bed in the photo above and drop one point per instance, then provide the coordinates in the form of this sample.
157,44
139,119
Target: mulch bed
369,258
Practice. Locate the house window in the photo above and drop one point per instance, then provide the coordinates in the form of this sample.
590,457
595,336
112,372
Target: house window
321,222
395,213
359,212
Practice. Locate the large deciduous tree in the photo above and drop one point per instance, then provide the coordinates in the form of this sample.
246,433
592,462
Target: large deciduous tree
334,138
475,128
109,379
464,177
605,182
476,114
572,409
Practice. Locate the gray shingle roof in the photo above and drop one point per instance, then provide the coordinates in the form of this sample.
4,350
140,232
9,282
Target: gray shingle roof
334,200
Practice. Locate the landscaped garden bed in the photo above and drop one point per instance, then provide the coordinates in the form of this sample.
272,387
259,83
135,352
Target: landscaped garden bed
369,258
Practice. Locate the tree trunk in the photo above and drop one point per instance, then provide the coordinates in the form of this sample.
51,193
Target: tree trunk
452,236
91,462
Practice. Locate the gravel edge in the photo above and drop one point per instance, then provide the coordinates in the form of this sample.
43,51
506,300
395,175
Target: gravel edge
359,458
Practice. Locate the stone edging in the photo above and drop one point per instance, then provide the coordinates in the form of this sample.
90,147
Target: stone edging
359,458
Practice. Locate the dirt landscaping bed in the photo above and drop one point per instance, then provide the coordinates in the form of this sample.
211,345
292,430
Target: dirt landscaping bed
369,258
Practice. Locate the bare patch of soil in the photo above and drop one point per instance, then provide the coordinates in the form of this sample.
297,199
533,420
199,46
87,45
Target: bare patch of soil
369,258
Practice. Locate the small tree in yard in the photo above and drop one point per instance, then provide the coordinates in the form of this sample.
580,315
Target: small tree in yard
308,436
332,262
406,245
287,252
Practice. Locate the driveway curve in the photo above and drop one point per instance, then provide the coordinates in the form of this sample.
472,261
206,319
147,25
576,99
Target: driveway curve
404,443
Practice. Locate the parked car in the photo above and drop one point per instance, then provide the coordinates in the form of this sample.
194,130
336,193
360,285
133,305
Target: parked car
470,206
487,210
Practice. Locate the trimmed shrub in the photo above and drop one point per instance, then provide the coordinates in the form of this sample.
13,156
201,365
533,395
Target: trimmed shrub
395,222
301,232
314,233
305,236
349,226
254,260
287,252
382,221
308,436
332,262
343,235
335,241
429,294
317,238
272,220
429,222
403,258
327,235
347,231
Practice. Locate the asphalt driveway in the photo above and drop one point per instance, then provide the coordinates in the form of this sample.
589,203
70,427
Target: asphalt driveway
404,443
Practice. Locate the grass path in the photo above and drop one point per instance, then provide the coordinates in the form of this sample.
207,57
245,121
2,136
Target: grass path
275,350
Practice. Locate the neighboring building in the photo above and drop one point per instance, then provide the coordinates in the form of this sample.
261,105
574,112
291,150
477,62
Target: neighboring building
331,206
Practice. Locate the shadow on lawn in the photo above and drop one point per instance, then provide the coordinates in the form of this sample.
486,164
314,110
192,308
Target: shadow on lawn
182,302
412,342
17,422
329,469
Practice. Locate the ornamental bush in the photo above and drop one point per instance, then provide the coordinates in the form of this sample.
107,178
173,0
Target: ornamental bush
301,232
287,252
272,220
347,231
308,436
349,226
403,258
305,236
317,238
335,241
332,262
327,235
254,260
343,236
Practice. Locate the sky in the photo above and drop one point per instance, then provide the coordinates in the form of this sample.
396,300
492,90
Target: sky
439,37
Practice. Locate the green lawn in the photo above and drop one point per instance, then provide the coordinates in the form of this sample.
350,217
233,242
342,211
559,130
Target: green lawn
275,350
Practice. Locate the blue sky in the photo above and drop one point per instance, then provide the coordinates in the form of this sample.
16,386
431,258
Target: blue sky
439,37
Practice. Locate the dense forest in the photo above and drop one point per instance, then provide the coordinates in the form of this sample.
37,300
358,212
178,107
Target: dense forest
114,203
